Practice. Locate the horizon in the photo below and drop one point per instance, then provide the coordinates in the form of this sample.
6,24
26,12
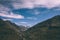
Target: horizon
28,12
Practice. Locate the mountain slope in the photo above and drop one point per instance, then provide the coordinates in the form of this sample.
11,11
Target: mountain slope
47,30
9,31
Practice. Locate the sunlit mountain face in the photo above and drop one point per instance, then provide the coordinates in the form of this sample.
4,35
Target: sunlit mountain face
28,12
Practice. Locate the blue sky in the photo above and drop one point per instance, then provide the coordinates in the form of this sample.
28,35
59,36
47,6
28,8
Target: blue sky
28,12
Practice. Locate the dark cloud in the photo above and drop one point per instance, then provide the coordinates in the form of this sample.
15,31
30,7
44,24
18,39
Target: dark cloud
6,3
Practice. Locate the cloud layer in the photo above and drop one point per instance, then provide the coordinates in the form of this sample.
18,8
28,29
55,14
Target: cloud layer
34,3
16,4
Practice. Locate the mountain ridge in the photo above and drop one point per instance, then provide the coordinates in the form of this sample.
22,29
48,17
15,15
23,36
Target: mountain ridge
46,20
46,30
10,31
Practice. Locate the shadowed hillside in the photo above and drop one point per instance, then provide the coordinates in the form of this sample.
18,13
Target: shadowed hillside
9,31
46,30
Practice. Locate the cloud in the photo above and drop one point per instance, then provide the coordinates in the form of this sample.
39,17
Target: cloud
11,15
36,3
31,18
3,8
6,3
36,12
17,4
53,3
7,12
23,22
22,4
7,19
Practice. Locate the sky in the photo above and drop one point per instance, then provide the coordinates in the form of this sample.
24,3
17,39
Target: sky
28,12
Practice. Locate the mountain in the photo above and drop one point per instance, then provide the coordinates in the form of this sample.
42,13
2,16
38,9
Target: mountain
9,31
46,30
23,28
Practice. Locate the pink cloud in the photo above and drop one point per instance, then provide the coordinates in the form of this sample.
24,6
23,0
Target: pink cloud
4,12
11,15
3,8
33,3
